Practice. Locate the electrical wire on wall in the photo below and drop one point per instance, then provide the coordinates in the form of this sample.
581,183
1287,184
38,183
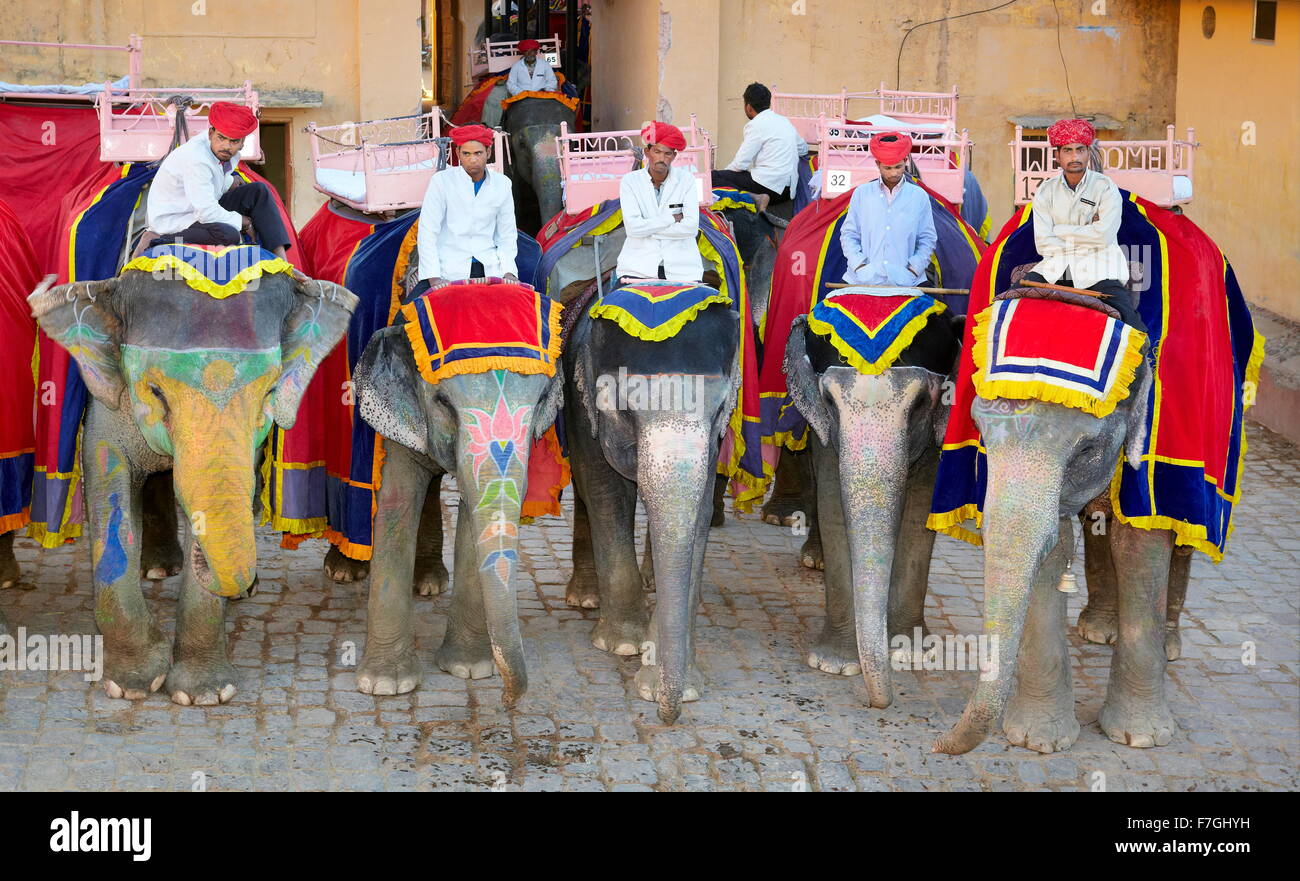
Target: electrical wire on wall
898,65
1064,67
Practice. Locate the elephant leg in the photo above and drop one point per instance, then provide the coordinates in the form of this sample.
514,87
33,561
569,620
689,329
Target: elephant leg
1040,714
430,572
811,555
719,517
648,564
161,555
202,674
910,576
389,664
836,650
1135,711
611,506
1099,620
583,590
9,573
1180,571
466,650
137,654
787,492
343,569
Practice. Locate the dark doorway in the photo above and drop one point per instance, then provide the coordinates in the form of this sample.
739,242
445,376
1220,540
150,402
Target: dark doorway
275,167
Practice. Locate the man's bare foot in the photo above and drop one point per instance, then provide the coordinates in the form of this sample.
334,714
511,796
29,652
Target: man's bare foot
760,201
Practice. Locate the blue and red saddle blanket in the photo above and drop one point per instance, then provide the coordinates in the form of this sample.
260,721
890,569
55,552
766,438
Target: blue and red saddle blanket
656,311
871,330
215,270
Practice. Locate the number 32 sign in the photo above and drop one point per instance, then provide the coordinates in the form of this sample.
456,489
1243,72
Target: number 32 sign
838,181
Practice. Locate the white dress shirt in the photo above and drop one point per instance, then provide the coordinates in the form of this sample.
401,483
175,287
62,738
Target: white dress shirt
457,226
540,79
187,186
770,151
1068,236
654,238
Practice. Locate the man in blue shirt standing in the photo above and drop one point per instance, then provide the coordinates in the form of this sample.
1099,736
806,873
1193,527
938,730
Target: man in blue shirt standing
888,234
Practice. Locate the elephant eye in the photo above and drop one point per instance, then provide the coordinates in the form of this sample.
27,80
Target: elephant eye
157,392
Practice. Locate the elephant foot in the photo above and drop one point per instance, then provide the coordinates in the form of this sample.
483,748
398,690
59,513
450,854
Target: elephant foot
161,559
810,555
1044,726
583,591
782,510
647,684
466,658
836,652
201,682
388,672
619,637
1098,625
1139,724
343,569
133,674
1173,642
431,576
9,572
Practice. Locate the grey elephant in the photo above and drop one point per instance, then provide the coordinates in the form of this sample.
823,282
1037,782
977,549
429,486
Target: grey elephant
874,449
182,381
533,125
477,427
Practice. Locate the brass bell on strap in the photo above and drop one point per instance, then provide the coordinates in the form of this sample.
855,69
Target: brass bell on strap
1068,583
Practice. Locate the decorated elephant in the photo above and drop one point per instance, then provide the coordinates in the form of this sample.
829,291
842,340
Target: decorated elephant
1049,394
478,413
533,124
188,360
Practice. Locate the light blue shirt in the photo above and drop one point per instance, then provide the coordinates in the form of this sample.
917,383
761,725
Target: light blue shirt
893,236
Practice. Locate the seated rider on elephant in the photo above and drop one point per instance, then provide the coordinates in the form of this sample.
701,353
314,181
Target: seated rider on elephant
888,236
467,221
193,198
531,73
1076,223
767,162
661,212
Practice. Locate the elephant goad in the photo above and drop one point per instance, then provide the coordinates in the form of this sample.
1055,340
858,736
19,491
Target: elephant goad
472,409
187,369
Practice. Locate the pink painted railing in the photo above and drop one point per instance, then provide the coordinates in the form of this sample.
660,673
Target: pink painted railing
845,161
498,57
927,109
134,50
593,163
137,125
1158,171
385,164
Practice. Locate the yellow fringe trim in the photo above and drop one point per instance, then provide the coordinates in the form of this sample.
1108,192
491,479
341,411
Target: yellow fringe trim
48,539
200,282
889,356
633,326
1046,392
571,103
1253,365
727,202
950,523
513,363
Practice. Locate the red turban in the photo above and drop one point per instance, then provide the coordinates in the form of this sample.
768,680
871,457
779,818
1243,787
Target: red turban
669,136
525,45
232,120
463,134
1071,131
891,148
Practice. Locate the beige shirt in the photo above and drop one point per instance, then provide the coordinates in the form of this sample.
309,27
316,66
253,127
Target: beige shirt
1077,230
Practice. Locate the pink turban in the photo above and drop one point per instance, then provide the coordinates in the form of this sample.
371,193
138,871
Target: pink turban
1071,131
669,136
891,149
232,120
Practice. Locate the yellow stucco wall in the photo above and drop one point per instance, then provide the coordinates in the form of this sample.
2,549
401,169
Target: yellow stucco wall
362,55
1121,63
1246,195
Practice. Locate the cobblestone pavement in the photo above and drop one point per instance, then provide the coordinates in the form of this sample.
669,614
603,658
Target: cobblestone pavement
766,721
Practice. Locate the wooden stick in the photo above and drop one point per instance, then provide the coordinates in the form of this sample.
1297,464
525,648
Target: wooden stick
1061,287
837,284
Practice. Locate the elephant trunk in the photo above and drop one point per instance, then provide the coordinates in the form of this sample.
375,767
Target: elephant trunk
873,478
214,483
675,476
1020,528
546,178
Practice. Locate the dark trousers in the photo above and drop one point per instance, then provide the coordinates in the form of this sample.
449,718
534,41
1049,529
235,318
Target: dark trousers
252,200
475,271
1119,298
743,180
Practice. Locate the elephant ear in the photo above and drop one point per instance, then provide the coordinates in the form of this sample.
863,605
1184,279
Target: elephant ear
1135,436
551,402
316,322
804,384
388,390
84,317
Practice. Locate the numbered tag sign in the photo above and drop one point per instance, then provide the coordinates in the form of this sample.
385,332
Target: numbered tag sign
832,132
552,58
838,181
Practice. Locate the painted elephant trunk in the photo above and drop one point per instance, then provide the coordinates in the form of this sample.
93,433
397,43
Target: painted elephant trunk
872,479
673,465
1020,528
214,484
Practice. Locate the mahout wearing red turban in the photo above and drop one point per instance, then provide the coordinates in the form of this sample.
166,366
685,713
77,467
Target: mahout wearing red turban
525,45
662,133
232,120
891,148
1071,131
463,134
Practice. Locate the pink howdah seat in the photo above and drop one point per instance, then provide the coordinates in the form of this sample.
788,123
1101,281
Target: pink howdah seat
500,56
385,164
137,124
845,161
930,112
592,163
1158,171
134,50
